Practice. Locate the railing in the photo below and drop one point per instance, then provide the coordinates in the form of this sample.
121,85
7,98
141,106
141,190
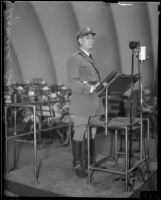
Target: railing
37,108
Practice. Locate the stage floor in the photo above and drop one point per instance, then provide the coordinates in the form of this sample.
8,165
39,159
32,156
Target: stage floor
56,175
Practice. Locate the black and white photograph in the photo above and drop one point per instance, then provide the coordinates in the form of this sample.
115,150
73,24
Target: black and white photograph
79,94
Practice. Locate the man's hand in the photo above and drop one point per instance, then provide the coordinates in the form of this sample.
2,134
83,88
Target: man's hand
94,87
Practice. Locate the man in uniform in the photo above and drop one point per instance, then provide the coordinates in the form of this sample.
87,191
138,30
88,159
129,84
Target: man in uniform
83,78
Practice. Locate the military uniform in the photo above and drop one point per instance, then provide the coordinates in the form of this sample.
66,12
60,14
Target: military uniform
81,76
82,73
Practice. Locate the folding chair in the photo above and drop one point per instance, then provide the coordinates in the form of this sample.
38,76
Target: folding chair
47,118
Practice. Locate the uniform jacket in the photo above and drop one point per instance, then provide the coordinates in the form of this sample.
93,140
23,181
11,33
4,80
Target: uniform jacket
79,71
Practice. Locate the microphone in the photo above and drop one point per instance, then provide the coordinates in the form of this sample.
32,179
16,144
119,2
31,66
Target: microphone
134,44
142,54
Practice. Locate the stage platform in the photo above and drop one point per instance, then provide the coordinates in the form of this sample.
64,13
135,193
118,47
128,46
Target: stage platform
56,177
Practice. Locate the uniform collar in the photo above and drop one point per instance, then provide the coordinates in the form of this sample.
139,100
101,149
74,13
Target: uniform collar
86,52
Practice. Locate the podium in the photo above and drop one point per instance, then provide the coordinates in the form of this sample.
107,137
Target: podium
117,83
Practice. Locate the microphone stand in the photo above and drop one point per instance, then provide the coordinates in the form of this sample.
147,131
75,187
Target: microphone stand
141,59
133,45
131,109
140,63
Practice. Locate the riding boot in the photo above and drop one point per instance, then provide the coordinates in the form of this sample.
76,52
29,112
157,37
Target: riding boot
77,164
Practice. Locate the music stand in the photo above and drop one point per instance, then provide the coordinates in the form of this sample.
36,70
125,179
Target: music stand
115,83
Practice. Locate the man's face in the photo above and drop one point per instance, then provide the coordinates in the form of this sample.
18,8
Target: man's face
87,41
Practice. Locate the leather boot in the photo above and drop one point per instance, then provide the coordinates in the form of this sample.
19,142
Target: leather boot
77,164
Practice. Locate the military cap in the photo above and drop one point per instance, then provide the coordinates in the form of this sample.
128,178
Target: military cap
85,31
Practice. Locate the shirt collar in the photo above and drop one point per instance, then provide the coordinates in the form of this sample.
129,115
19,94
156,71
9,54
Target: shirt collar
86,52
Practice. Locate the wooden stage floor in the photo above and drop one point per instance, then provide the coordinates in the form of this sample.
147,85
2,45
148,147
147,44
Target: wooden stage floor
56,177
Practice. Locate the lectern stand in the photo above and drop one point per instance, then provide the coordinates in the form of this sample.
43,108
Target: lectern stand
116,84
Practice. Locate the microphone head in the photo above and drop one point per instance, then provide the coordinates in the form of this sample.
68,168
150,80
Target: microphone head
142,54
134,44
